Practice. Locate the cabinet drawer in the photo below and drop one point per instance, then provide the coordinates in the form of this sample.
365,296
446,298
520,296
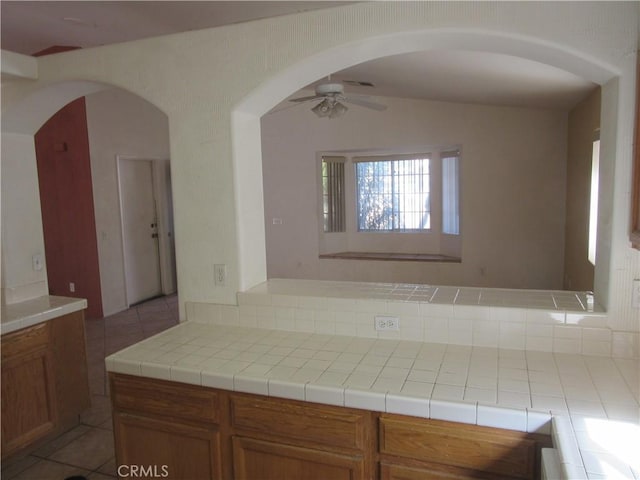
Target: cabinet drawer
485,449
166,399
25,340
335,427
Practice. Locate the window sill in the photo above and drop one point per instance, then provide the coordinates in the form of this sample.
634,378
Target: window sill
402,257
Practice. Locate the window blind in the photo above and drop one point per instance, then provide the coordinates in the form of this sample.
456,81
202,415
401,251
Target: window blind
333,202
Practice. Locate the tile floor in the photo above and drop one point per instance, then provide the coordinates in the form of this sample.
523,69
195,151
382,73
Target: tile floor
87,449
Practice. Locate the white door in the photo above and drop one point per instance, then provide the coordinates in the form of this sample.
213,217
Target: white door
139,230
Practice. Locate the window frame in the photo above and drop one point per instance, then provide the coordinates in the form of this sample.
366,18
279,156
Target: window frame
634,234
429,242
356,160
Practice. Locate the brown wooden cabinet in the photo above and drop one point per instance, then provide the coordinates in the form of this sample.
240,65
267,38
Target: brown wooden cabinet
277,439
269,460
172,449
450,450
391,471
28,387
45,385
200,432
168,428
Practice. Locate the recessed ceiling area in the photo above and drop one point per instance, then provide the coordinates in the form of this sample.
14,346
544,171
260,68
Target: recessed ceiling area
466,77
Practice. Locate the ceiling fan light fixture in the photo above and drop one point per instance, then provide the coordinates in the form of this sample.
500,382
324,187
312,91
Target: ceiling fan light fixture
323,109
338,110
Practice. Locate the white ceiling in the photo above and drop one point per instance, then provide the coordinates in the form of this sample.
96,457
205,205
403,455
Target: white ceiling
469,77
459,76
28,27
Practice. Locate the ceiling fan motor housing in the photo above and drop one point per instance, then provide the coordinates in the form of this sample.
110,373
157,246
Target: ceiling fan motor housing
330,89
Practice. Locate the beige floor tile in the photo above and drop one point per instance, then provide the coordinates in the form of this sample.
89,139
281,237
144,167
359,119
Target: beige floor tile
98,413
100,476
94,329
107,424
121,320
14,466
122,330
109,468
47,470
61,441
97,385
89,451
114,344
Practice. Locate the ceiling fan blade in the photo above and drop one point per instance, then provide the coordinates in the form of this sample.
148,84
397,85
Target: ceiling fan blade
306,99
281,108
365,103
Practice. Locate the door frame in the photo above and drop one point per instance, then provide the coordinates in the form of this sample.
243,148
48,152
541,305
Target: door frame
165,234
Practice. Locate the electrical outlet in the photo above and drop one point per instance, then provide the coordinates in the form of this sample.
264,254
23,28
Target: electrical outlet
220,275
385,323
72,287
635,296
36,261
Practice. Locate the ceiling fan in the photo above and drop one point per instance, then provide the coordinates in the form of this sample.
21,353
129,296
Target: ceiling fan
333,99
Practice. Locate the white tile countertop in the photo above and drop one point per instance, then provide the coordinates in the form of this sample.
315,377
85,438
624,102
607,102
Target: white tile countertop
41,309
589,404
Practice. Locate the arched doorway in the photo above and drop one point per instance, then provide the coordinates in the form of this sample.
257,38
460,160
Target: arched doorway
246,128
119,123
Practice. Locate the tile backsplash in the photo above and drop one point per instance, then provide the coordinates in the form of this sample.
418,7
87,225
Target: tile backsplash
551,321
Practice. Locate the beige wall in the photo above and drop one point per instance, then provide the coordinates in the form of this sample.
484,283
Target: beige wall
124,124
214,84
584,121
512,179
22,235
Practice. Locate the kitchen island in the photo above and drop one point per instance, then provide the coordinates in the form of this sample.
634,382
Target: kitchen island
575,399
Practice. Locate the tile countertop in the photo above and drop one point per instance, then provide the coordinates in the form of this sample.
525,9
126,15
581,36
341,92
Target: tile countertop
588,404
41,309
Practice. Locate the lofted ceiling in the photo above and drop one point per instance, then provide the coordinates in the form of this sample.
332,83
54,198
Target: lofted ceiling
457,76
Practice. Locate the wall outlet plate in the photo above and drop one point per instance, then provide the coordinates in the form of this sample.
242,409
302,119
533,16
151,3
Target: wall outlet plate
386,323
220,275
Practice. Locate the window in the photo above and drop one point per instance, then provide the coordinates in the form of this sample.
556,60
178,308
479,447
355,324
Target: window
390,203
593,204
393,193
333,204
450,193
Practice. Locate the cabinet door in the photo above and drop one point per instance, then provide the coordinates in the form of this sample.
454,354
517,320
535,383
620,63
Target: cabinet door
28,399
28,387
483,449
400,472
258,459
171,450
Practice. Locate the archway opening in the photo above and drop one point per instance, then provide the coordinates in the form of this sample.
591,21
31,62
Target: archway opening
247,114
121,126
